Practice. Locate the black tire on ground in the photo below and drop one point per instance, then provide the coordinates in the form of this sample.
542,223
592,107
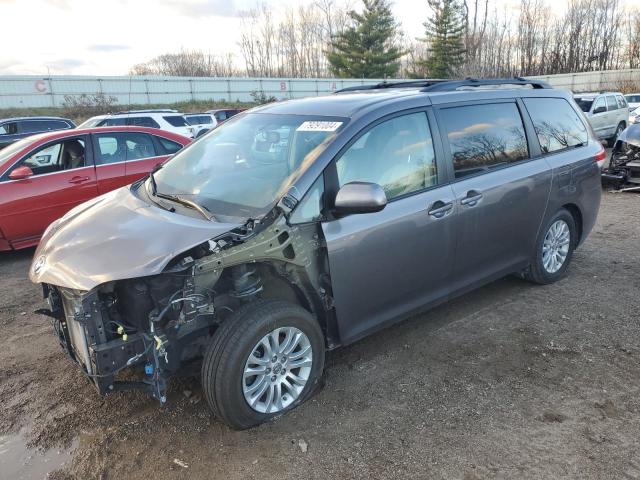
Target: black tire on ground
537,272
224,361
619,129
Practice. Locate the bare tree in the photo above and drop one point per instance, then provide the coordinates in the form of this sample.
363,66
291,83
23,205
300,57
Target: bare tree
188,63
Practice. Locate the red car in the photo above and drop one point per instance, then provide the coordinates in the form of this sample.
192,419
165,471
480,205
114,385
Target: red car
44,176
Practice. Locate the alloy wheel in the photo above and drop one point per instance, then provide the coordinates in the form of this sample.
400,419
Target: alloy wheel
555,247
277,370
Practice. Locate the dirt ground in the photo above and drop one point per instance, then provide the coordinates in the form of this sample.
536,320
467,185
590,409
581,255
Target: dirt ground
511,381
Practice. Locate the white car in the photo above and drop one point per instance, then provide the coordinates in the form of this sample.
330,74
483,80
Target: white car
606,112
202,122
167,120
634,116
633,99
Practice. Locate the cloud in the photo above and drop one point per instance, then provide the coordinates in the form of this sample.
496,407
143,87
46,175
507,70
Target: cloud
106,47
200,8
64,65
471,129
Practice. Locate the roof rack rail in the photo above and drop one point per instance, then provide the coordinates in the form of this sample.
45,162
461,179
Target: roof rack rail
453,85
385,84
150,110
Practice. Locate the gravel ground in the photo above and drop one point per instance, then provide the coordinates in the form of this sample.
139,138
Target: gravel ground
511,381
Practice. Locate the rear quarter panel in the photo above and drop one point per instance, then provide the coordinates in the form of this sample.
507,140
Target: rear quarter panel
576,181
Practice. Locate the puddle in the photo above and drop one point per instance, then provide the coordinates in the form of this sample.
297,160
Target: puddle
19,462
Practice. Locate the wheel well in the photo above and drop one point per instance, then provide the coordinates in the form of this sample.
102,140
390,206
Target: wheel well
577,217
294,288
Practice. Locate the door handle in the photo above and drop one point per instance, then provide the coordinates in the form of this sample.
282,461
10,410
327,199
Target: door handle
78,179
472,198
439,209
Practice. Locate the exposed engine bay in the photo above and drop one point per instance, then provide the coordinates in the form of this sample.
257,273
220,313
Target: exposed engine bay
162,324
623,172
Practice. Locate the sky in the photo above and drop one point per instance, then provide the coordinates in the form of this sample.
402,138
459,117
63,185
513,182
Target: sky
108,37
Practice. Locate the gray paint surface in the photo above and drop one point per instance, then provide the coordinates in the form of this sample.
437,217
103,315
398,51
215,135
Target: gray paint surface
113,237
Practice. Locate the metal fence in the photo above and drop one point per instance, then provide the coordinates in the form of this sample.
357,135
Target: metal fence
33,91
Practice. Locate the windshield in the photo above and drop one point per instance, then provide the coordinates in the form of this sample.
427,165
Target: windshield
584,103
92,122
243,167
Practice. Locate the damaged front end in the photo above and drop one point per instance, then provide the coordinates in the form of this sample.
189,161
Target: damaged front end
623,171
162,324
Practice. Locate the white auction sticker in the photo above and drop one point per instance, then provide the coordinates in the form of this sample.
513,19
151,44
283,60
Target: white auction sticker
319,126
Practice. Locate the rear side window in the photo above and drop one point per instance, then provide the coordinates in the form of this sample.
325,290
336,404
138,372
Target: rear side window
169,146
10,128
113,122
220,116
143,122
611,103
35,126
621,102
633,98
483,137
119,147
176,120
397,155
557,125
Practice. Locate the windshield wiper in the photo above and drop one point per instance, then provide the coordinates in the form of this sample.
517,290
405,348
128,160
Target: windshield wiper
175,198
187,203
154,185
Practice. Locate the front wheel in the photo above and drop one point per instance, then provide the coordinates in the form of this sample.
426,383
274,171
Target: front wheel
266,359
554,249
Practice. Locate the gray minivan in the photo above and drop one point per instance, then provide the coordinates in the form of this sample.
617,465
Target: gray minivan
302,226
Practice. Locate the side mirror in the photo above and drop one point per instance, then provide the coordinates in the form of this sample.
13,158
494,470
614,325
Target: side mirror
600,110
21,172
360,197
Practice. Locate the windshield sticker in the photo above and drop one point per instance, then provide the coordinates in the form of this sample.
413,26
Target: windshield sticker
319,126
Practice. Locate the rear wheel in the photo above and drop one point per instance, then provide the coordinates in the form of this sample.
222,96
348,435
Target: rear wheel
619,129
554,249
266,359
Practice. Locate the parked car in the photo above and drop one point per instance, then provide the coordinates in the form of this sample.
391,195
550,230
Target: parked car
634,116
44,176
202,122
607,113
305,225
14,129
633,99
167,120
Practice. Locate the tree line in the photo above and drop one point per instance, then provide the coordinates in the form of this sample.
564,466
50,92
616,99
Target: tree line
481,38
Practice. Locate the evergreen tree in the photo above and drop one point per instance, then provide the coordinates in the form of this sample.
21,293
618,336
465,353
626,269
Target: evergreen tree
445,38
367,49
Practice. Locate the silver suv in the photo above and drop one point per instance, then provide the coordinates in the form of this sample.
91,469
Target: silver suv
302,226
607,113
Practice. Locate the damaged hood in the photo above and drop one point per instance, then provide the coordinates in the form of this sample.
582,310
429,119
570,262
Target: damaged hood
631,135
113,237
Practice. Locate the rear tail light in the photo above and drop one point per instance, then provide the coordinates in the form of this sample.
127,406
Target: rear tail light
600,157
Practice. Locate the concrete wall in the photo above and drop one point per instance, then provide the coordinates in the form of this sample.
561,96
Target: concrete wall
33,91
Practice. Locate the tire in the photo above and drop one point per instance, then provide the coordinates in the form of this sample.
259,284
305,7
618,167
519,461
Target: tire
619,129
545,273
227,359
